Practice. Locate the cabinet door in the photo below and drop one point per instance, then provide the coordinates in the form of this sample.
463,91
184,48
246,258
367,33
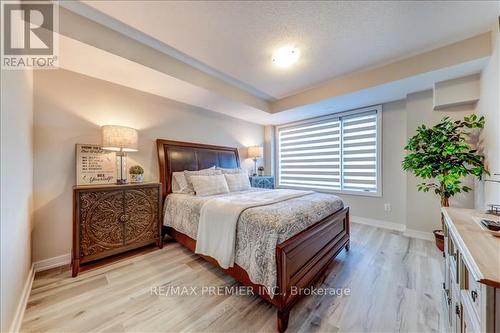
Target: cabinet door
262,182
456,307
141,214
470,322
100,226
448,291
453,255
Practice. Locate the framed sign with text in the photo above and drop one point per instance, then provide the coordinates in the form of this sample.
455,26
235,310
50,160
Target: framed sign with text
94,165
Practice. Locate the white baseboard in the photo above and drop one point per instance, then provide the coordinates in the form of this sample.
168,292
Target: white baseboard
378,223
15,326
419,234
393,226
38,266
45,264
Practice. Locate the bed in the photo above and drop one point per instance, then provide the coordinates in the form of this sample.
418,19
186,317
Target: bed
300,248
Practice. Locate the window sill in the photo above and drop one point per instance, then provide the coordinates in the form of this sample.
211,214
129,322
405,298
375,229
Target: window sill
355,193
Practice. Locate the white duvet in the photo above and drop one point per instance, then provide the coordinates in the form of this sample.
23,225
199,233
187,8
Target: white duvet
216,236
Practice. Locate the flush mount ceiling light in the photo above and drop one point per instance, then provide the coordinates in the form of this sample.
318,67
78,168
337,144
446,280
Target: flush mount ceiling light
286,56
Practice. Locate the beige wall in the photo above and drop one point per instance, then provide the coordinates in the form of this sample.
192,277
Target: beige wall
413,210
489,106
269,144
16,189
70,108
393,177
423,209
63,119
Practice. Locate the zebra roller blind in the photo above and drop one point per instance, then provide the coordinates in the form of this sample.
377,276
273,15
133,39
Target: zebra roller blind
333,153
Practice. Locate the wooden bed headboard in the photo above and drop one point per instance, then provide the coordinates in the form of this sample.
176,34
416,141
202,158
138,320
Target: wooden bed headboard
179,156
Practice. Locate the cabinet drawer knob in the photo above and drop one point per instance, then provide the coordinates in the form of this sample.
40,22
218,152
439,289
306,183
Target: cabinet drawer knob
124,218
473,294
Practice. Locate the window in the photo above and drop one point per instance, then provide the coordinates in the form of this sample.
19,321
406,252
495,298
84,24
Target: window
336,153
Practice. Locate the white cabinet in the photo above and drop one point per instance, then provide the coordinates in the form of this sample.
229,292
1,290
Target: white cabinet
472,302
470,320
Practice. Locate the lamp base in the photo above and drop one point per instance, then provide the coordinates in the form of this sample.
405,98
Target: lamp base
121,168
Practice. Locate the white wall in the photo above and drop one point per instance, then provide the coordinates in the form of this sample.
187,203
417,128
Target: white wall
70,108
489,106
16,188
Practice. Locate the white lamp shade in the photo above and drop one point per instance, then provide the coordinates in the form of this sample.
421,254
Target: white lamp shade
119,138
255,152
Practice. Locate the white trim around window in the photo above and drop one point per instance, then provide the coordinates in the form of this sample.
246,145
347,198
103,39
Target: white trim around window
338,153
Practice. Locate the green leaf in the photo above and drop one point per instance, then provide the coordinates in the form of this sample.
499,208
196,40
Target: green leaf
442,152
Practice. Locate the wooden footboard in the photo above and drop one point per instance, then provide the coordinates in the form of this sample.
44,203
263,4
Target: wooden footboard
303,258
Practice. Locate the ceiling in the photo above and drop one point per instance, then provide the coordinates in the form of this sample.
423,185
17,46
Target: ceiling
235,40
92,61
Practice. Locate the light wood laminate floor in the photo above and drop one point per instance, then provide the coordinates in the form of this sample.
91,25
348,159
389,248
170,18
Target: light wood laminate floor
394,282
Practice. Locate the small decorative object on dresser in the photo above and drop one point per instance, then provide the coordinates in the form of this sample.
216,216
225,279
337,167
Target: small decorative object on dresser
136,174
94,165
111,219
260,170
262,181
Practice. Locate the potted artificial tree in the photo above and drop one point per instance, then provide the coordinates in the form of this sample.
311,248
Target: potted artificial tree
443,155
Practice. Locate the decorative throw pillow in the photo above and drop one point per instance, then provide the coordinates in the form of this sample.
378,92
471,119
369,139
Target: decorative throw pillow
231,171
237,182
209,185
204,172
179,183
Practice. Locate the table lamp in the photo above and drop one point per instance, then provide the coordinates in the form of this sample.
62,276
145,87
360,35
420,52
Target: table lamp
254,153
122,140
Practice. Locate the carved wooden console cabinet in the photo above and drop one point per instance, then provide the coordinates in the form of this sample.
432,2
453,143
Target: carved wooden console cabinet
111,219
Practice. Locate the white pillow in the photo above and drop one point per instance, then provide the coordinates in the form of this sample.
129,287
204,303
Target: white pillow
209,185
204,172
179,183
237,182
231,171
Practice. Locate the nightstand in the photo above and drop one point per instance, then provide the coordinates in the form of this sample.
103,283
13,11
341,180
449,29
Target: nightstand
262,181
111,219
